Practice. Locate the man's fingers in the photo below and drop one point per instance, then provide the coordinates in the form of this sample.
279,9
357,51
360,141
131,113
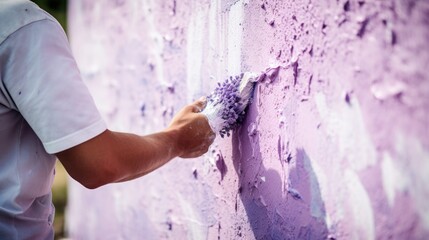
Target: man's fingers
199,105
211,137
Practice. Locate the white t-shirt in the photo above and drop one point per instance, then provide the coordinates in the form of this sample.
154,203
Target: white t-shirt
45,108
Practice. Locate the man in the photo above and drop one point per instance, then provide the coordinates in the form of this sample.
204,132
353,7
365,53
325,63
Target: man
47,112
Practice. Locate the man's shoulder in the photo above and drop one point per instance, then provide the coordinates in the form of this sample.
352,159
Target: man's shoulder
14,14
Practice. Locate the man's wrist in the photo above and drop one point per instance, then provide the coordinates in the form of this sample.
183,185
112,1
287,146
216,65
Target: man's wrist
173,141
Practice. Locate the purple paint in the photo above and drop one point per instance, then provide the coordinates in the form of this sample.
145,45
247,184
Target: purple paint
295,72
346,6
324,26
271,74
344,135
252,130
171,89
294,193
310,80
221,166
174,7
239,231
252,133
218,230
142,110
362,28
347,98
393,38
289,158
169,225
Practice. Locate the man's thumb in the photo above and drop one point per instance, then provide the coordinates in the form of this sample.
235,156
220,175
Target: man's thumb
199,105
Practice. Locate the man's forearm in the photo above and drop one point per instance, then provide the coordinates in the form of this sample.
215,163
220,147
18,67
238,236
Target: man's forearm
117,157
152,152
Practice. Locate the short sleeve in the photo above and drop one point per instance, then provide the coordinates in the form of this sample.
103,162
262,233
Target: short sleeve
44,82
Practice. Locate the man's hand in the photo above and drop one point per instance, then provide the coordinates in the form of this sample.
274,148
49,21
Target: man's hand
194,135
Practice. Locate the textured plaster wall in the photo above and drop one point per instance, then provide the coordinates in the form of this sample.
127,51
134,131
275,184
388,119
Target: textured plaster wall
335,144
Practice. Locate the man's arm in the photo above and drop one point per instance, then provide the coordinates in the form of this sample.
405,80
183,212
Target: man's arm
115,157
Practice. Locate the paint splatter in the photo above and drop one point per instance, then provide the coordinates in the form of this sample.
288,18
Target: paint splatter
324,26
294,193
272,74
289,158
347,98
362,28
239,232
393,38
171,89
346,6
310,80
218,230
173,10
169,224
221,166
279,54
295,72
252,130
142,110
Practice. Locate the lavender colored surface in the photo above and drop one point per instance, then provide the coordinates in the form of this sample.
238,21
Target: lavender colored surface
335,144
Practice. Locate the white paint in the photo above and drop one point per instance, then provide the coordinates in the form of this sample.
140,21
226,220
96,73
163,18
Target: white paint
384,90
393,179
345,124
195,226
157,44
320,179
214,31
235,35
360,206
316,203
194,54
415,166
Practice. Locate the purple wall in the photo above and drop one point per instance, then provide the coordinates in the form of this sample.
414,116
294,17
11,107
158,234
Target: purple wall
335,144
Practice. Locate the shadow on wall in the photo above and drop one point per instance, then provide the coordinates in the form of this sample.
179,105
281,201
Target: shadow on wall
277,209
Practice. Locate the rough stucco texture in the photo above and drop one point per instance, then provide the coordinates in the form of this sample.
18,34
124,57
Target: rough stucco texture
334,145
